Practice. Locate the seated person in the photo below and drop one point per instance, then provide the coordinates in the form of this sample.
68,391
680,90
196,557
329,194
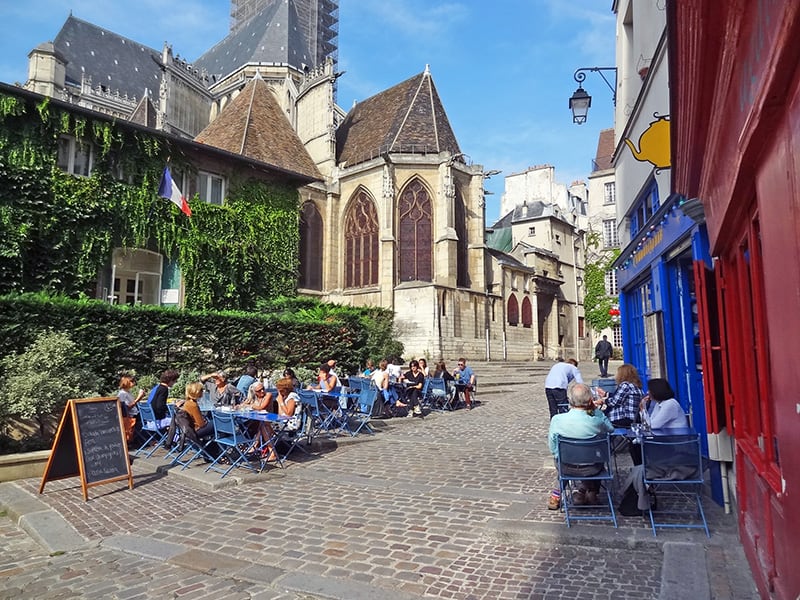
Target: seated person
465,381
369,369
289,404
157,399
415,380
440,370
246,380
220,392
327,382
622,407
260,399
380,377
423,366
583,420
659,408
287,372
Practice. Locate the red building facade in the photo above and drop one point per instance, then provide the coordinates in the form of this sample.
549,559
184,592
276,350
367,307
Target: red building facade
735,87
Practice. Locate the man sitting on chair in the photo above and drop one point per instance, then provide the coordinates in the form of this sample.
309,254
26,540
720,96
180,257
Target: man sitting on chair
465,381
581,421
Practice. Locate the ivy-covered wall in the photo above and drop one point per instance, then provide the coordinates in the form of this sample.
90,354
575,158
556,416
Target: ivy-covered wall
58,231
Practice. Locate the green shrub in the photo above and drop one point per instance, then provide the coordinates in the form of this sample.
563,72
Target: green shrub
38,382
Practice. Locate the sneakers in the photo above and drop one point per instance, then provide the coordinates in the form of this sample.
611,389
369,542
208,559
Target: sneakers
554,502
417,410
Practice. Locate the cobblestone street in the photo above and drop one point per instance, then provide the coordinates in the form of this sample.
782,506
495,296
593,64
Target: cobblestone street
451,506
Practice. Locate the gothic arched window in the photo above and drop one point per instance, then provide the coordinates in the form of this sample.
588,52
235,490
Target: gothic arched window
462,244
415,234
527,312
513,310
361,242
310,248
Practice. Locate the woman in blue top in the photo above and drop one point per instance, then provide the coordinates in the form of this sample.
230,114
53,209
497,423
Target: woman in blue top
664,412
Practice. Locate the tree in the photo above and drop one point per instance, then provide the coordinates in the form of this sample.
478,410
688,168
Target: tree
39,381
597,302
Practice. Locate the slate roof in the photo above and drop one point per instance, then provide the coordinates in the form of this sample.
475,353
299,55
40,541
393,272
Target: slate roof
111,60
408,118
605,150
144,113
272,35
523,212
253,125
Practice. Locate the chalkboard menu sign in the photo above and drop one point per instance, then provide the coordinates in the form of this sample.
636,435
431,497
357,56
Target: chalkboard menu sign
90,443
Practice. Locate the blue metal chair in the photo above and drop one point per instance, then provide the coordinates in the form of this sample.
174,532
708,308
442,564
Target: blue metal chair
574,452
233,442
673,469
318,420
151,429
363,410
437,397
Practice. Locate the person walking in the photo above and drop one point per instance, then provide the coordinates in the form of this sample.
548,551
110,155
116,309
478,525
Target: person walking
557,381
602,352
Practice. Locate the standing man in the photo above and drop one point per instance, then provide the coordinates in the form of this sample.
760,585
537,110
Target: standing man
557,381
602,352
465,381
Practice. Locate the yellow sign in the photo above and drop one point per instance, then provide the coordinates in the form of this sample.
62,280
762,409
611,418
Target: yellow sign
653,144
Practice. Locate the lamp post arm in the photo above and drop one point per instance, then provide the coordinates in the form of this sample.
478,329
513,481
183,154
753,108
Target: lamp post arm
580,76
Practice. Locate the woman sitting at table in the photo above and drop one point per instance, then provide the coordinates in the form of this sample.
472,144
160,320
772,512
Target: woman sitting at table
220,392
414,381
260,399
659,408
289,403
581,421
622,407
287,372
380,377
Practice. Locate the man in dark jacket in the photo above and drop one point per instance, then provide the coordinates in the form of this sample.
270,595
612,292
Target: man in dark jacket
602,352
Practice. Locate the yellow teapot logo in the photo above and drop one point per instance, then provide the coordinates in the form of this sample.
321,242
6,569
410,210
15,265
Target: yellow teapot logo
654,143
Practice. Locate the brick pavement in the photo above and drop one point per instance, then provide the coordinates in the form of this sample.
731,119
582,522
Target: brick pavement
452,506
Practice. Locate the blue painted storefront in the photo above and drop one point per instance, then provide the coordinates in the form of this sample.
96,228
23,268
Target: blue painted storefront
659,309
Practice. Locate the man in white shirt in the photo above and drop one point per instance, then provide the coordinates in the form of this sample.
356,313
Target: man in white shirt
558,379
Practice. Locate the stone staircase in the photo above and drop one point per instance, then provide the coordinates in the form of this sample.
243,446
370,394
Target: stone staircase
496,377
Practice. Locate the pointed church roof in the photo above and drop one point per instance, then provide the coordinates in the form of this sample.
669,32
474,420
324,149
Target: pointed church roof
253,125
408,118
145,112
271,36
113,61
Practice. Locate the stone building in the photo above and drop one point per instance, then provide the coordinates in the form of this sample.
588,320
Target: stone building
396,218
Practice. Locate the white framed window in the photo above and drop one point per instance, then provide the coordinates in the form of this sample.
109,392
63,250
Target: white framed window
135,276
611,283
610,238
618,336
211,187
610,193
74,156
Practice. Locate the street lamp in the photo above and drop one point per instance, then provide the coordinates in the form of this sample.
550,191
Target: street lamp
580,101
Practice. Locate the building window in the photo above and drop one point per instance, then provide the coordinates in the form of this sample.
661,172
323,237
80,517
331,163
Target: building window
310,248
581,327
74,156
361,242
513,310
645,207
415,234
462,244
610,193
610,237
611,283
558,238
211,187
531,230
617,334
136,276
527,313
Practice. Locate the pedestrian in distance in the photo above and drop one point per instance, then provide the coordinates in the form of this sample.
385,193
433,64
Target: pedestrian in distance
602,352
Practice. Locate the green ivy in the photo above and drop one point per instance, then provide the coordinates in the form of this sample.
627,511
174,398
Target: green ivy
596,302
58,231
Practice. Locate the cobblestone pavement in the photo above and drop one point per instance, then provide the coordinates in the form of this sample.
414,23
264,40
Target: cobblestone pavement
452,506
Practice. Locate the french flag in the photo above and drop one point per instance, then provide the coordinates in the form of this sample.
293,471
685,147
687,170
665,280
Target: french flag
170,191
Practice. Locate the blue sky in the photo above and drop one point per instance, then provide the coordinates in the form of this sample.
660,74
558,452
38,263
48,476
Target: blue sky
503,69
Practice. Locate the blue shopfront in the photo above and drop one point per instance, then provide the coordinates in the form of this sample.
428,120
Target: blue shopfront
659,304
